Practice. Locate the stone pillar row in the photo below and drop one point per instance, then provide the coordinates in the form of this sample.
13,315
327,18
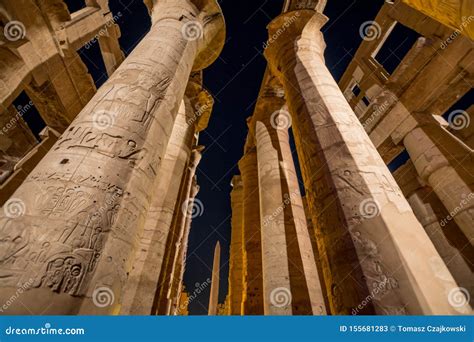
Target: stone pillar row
445,163
80,216
273,269
236,260
453,247
370,243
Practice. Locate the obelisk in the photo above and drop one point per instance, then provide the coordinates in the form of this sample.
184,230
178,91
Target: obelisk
214,296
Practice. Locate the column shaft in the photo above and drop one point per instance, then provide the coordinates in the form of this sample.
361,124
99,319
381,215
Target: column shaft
252,301
444,162
142,282
365,226
92,189
236,249
276,274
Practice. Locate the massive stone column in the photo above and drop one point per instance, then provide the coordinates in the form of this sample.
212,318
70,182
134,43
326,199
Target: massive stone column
183,211
214,294
252,300
176,282
290,278
236,262
446,164
449,241
143,279
277,291
85,203
370,241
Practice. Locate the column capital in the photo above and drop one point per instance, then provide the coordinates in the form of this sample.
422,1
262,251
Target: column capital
292,32
201,102
236,182
203,23
248,161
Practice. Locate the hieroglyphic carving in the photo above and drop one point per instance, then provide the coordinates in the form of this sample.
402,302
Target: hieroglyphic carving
64,259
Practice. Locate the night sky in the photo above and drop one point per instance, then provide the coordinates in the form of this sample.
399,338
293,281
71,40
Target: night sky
234,81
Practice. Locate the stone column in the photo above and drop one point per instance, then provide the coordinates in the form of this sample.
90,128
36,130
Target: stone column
236,249
367,232
177,271
92,189
178,289
290,278
143,279
214,294
446,164
184,209
277,291
449,241
252,301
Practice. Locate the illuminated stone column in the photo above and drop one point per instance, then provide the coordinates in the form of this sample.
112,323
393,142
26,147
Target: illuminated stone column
183,212
446,236
236,249
290,278
93,189
446,164
368,236
252,301
176,283
143,279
